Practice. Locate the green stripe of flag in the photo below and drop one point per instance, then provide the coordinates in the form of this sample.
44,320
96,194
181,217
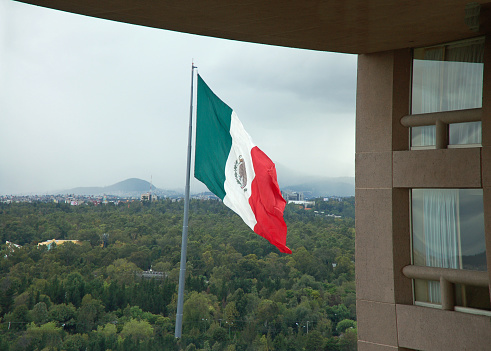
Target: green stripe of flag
213,140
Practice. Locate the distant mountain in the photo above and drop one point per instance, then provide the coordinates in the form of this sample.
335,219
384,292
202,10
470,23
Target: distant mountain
321,187
313,186
133,187
132,184
288,180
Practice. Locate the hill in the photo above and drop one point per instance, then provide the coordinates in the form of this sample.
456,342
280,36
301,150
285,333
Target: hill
321,187
312,186
288,179
133,187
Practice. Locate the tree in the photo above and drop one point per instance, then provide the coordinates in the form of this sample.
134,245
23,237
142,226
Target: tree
63,314
39,314
231,313
246,294
267,313
19,317
315,341
219,335
89,314
75,342
122,271
337,313
74,288
6,297
108,335
137,330
46,335
4,344
345,324
196,310
348,341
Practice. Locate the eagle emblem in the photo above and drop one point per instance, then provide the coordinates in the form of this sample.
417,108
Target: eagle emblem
240,172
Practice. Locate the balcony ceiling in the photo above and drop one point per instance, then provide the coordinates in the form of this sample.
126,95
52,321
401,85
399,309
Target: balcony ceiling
349,26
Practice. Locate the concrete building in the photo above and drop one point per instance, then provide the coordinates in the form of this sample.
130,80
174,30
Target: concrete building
148,197
423,179
292,196
49,243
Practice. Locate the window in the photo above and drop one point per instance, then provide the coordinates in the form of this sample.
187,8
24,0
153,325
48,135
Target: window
448,232
447,78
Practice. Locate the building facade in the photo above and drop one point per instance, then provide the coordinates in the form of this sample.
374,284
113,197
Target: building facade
409,295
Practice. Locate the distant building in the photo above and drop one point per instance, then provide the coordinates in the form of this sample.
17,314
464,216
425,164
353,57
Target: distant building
11,247
49,243
305,204
148,197
205,196
292,196
105,240
152,274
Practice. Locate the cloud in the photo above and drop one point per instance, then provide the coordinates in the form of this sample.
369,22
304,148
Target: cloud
88,102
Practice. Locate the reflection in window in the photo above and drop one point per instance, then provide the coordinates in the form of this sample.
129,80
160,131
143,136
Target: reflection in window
447,78
448,232
464,133
423,136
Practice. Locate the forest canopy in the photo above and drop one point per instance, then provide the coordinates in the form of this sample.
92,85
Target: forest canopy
241,293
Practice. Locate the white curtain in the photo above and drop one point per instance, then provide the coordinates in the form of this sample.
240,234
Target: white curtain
451,79
431,73
441,231
465,133
464,84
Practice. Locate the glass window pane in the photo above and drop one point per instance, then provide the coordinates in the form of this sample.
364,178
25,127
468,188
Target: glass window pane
472,297
448,228
465,133
448,78
448,232
472,240
423,136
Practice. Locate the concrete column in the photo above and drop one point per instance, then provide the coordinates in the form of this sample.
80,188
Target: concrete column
486,149
448,296
441,135
382,211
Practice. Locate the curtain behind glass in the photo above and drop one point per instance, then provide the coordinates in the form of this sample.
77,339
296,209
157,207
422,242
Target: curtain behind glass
448,78
441,232
465,80
430,71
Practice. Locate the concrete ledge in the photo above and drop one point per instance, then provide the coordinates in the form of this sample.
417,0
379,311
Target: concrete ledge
368,346
424,328
448,168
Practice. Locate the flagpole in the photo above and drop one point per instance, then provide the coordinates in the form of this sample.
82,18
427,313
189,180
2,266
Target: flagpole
184,244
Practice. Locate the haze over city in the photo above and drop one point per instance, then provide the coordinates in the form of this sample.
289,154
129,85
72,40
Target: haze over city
88,102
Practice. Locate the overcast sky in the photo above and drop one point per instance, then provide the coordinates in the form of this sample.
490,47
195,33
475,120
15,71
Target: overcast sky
89,102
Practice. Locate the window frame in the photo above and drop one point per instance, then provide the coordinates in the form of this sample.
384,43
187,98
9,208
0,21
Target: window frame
443,46
456,286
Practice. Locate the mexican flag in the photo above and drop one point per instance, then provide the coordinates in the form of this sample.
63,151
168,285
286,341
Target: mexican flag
236,170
